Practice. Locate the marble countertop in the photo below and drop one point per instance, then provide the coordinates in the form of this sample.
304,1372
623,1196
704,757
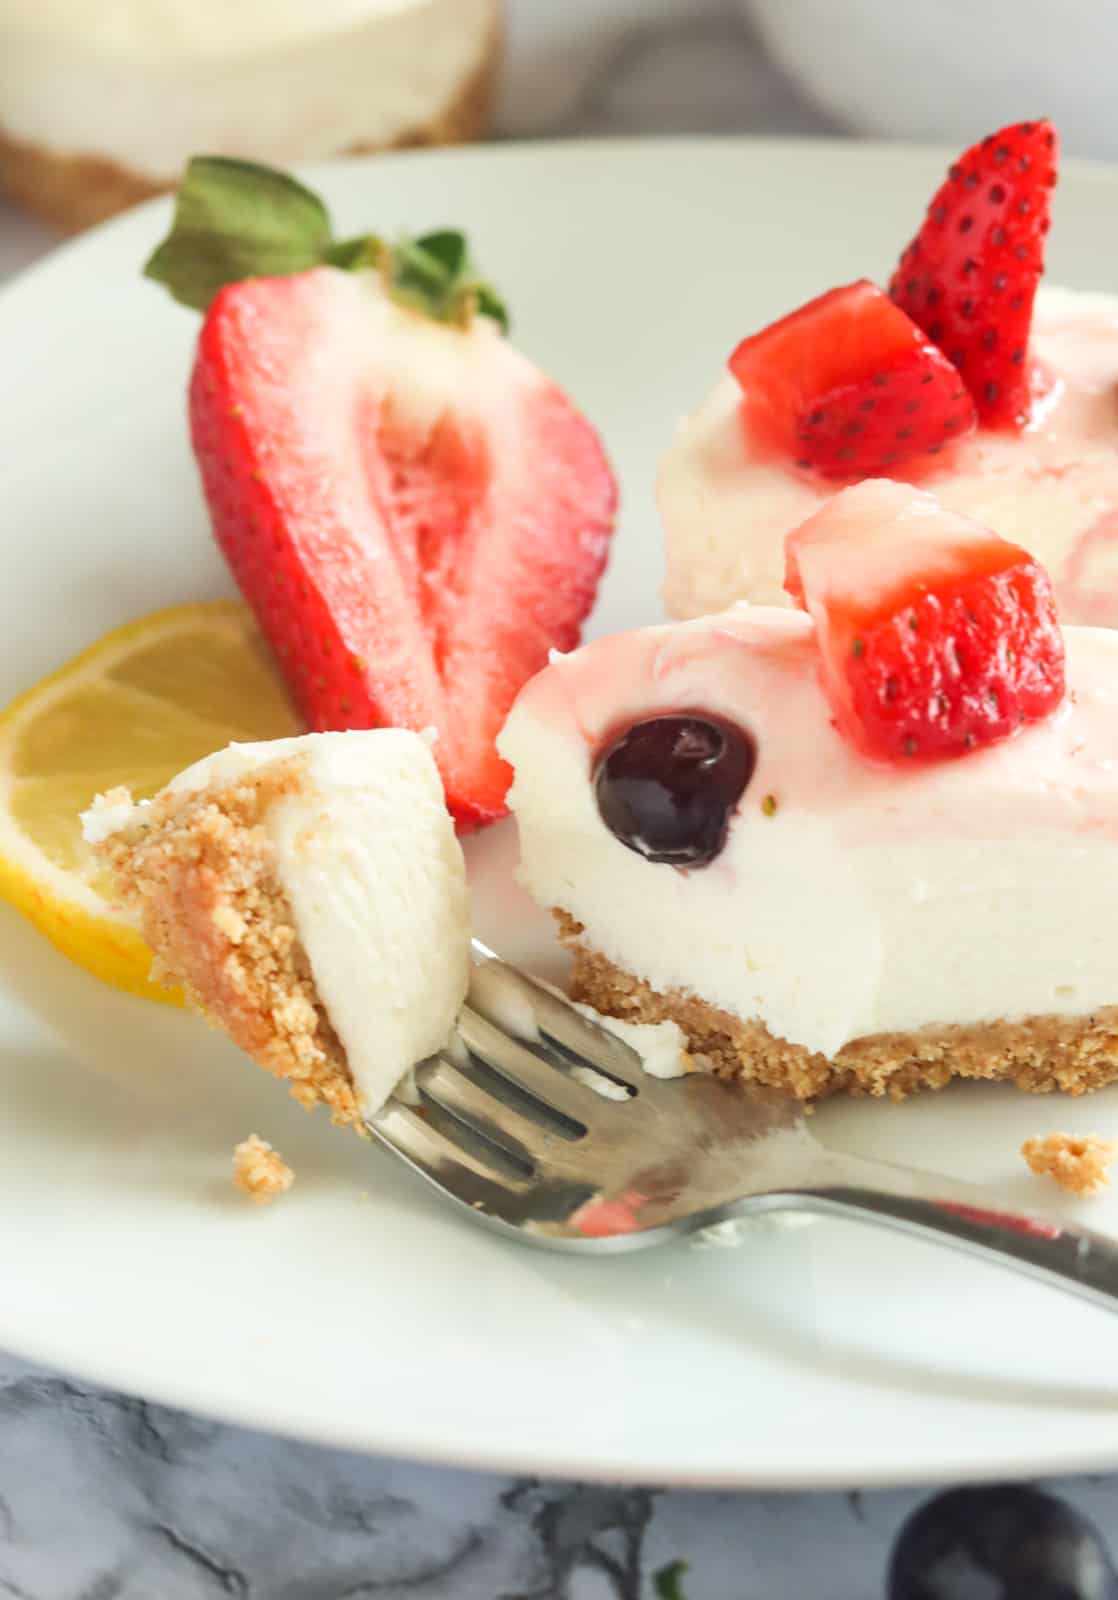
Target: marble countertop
107,1497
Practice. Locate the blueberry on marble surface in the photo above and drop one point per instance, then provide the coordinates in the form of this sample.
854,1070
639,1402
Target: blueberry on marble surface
668,786
1002,1543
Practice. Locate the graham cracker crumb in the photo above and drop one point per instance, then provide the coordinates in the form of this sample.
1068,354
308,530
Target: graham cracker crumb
1079,1163
259,1171
198,868
1041,1054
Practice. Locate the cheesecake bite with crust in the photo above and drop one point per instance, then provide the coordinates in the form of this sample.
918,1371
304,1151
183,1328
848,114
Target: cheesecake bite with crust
309,894
865,852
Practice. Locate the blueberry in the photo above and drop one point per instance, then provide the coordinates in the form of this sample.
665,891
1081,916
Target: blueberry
667,787
1003,1543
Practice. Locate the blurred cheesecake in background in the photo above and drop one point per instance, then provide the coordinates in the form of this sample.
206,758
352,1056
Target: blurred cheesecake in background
102,104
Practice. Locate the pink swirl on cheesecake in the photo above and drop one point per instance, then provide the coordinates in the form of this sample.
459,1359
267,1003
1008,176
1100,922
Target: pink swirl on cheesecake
1053,488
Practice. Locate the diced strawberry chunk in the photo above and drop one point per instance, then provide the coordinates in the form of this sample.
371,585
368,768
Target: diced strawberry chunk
414,512
848,387
935,636
970,276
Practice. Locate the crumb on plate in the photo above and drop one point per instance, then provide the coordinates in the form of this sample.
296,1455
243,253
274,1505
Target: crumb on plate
259,1171
1078,1162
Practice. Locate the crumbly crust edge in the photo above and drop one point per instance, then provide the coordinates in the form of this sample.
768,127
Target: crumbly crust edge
198,870
1041,1054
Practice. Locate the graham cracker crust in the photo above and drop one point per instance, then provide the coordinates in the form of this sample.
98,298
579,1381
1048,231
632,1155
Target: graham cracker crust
1042,1054
74,191
199,871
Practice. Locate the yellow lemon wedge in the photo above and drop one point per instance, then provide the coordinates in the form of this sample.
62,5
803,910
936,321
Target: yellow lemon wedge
135,708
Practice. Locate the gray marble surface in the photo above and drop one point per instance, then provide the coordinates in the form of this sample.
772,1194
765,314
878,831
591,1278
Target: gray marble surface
105,1496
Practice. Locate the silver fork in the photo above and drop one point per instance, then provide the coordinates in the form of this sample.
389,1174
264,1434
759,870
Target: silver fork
545,1126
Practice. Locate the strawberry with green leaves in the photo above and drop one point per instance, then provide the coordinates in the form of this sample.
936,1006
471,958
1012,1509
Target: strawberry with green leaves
414,512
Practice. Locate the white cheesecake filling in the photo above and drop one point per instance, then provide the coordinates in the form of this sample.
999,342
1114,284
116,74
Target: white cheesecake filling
873,898
661,1046
1052,488
149,83
368,859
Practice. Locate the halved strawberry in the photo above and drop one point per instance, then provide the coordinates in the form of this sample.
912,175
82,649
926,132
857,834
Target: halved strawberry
848,386
970,276
414,512
935,636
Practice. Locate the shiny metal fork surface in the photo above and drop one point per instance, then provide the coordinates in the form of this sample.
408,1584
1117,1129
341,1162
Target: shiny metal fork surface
544,1125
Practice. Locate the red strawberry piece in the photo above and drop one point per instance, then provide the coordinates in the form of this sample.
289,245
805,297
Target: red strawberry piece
935,636
849,387
970,276
414,512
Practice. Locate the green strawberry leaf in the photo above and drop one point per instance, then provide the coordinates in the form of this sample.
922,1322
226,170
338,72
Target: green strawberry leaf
234,219
668,1582
237,219
420,278
435,274
448,248
352,254
490,304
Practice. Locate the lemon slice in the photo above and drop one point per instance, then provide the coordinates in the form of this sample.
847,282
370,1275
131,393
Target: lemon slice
135,708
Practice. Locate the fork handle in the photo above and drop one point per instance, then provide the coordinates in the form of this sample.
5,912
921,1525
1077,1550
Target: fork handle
1075,1259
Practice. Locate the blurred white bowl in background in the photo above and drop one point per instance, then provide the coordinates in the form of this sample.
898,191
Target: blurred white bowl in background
952,69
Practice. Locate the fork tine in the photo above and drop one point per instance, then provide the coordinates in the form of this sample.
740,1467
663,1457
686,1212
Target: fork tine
459,1092
444,1163
525,1070
600,1049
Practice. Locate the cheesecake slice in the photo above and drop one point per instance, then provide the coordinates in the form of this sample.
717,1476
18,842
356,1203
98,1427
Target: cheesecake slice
966,375
828,893
310,896
727,502
103,105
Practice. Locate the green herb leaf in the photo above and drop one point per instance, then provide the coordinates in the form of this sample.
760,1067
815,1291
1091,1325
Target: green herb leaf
235,219
668,1582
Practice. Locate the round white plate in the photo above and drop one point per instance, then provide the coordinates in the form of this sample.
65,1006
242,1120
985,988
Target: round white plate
359,1311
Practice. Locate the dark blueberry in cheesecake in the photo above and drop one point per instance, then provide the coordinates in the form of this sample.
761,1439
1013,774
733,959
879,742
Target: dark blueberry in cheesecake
1005,1543
667,787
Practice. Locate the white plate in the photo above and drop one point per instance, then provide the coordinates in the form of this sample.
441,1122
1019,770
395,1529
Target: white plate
359,1311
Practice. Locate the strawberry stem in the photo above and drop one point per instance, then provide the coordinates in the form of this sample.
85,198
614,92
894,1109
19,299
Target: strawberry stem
436,276
238,219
